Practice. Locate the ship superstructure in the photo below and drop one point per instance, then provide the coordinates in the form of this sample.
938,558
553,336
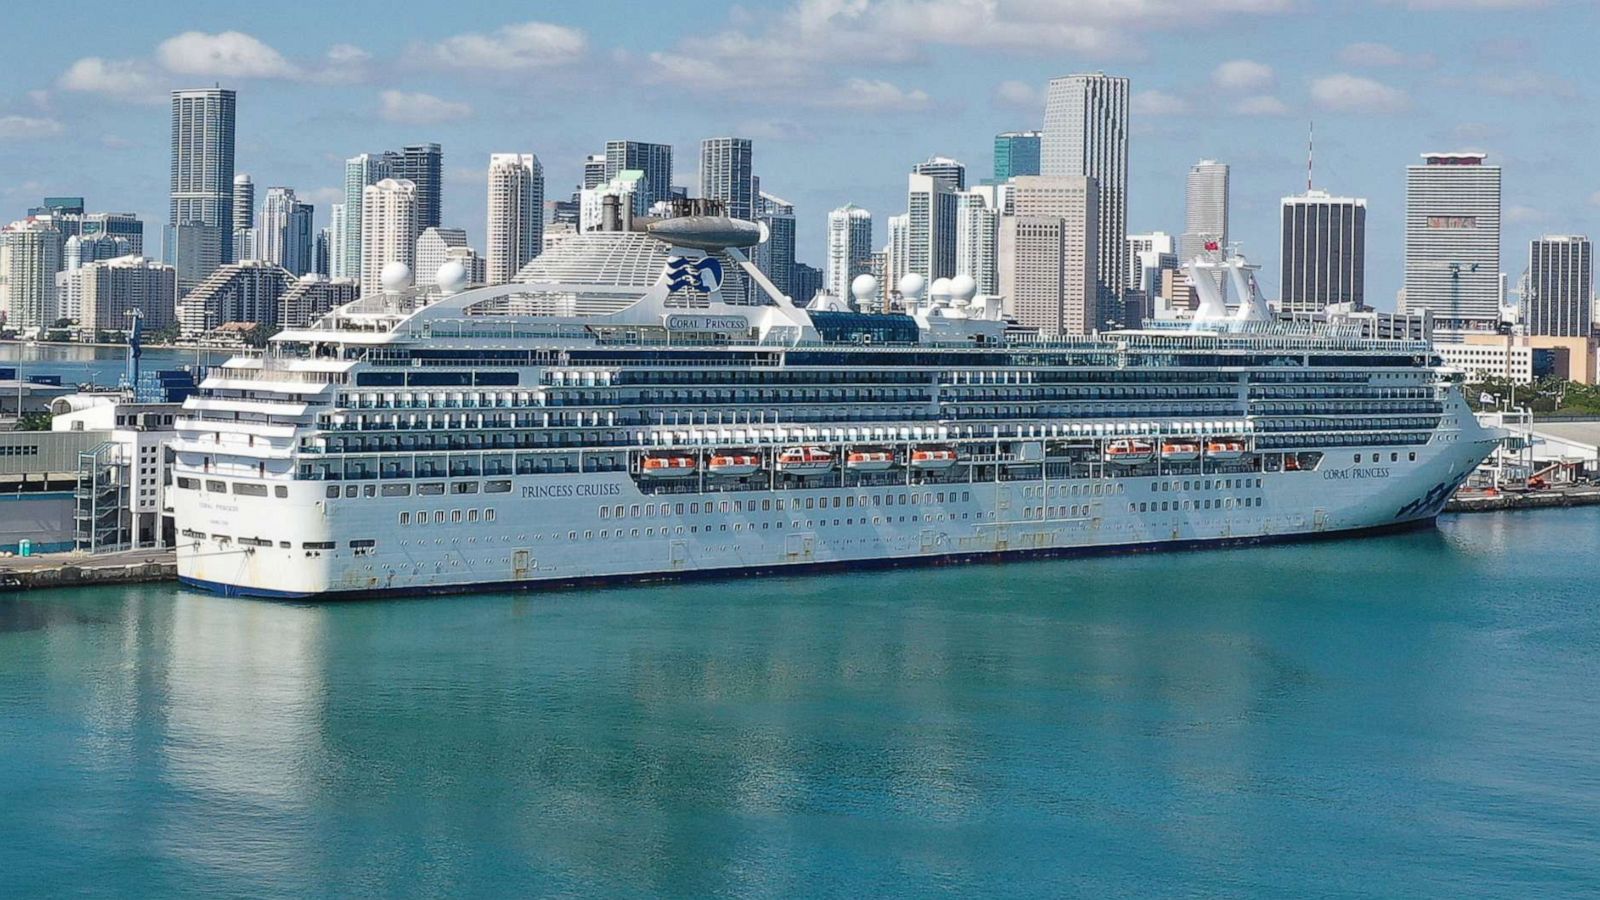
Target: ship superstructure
643,404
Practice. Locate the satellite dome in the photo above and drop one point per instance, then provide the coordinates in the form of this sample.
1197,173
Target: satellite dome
912,285
864,287
451,277
963,288
396,276
940,289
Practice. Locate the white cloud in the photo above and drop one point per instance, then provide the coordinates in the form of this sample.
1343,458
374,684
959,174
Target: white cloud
1524,214
1020,94
1524,84
1243,75
1260,105
26,128
1371,54
513,48
872,94
322,196
1471,4
1594,199
127,79
1355,94
420,109
343,64
1158,103
782,130
228,54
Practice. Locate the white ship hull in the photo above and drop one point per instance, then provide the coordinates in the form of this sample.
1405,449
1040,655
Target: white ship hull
550,529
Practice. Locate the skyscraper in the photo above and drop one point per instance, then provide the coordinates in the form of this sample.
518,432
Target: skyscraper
1016,153
30,257
951,172
336,241
1158,242
849,248
726,175
1324,252
423,166
244,201
1205,218
388,229
359,171
594,170
285,232
978,237
120,225
202,182
113,287
516,214
1086,134
1453,241
322,253
1048,271
807,282
1560,286
437,246
775,256
654,160
931,226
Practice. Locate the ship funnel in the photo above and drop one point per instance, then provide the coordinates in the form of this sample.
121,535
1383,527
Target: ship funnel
1212,307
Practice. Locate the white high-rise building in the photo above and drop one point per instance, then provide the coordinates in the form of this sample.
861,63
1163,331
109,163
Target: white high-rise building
978,237
727,175
113,287
1323,252
1158,242
1453,241
1205,217
336,243
30,257
437,246
592,201
202,182
285,231
1560,290
594,170
931,226
516,213
1048,271
359,172
849,248
653,162
1086,134
896,256
388,230
244,202
952,172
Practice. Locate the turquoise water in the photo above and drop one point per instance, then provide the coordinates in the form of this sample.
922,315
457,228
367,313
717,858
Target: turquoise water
1408,716
96,365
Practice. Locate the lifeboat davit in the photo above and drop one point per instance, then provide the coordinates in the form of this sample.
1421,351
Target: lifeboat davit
805,461
932,458
869,461
1130,452
668,466
734,465
1180,451
1225,450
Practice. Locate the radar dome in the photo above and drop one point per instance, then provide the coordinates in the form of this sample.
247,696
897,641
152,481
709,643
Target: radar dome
864,287
963,288
940,289
912,285
396,276
451,277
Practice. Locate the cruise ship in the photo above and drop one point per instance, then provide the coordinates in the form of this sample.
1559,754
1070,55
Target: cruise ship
646,404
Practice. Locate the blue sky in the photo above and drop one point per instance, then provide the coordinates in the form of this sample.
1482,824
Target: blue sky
841,96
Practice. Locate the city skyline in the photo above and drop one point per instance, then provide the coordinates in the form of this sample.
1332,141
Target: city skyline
1382,88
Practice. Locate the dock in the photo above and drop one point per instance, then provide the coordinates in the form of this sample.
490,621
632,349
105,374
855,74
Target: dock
59,570
1544,498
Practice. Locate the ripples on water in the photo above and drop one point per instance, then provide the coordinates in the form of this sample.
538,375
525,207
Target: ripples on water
1402,716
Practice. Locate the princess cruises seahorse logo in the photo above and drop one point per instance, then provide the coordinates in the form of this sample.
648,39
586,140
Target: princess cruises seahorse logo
683,273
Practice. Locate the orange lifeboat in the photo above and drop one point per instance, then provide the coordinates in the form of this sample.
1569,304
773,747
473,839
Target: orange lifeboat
1130,452
932,459
1180,451
869,461
734,465
805,461
668,466
1224,450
